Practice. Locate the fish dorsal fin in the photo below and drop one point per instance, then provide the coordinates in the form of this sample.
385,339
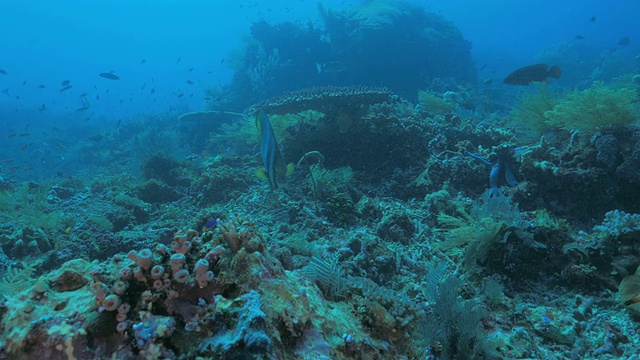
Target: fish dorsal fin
259,121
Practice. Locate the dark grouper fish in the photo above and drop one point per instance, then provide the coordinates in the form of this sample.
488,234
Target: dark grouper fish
274,169
533,73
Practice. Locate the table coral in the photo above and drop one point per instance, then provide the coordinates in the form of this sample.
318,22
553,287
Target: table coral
329,99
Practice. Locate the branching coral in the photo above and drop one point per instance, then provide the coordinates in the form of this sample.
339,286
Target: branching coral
618,223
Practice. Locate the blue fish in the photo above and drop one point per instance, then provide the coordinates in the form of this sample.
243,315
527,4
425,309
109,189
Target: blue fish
501,173
275,170
210,224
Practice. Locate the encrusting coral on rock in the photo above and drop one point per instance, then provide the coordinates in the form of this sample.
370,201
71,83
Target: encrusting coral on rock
217,294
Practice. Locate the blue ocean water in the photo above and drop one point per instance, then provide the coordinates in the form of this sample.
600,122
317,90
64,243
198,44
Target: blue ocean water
432,166
167,54
45,43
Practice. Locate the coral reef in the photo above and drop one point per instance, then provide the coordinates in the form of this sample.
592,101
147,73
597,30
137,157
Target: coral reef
283,57
395,238
399,27
153,191
222,285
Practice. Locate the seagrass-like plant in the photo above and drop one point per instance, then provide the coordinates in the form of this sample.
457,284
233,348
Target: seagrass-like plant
434,104
464,229
532,107
481,224
244,130
593,109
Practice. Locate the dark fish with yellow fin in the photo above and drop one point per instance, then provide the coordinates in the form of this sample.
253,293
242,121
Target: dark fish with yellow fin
533,73
275,170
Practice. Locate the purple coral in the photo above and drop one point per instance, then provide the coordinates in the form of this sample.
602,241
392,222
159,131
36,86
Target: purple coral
152,328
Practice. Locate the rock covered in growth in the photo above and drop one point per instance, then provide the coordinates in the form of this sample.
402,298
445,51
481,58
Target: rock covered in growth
361,135
154,192
608,151
396,226
49,320
628,169
19,241
250,329
420,47
409,34
219,294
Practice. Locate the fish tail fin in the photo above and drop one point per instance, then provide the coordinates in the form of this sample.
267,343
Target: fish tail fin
555,71
290,169
260,173
510,177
